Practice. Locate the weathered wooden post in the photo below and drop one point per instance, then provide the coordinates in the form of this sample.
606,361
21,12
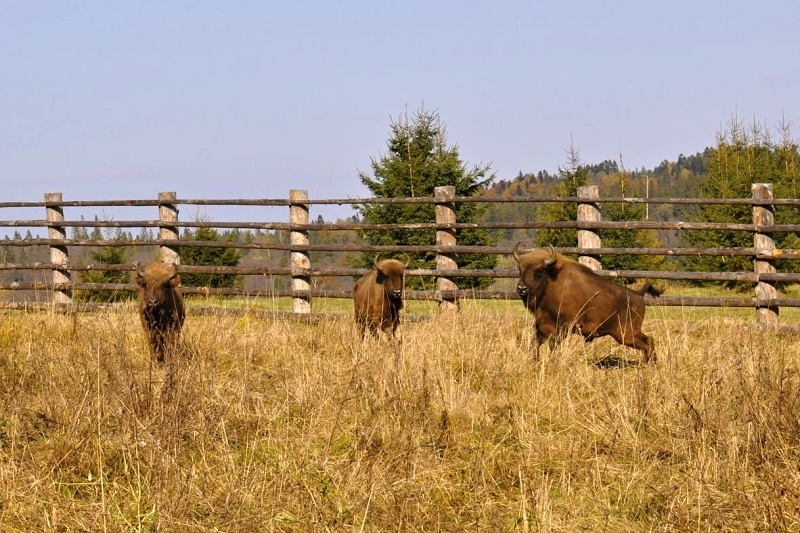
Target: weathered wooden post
588,211
764,215
446,214
59,254
298,214
168,212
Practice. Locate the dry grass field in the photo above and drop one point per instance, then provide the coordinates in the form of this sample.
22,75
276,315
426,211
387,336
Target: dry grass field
276,424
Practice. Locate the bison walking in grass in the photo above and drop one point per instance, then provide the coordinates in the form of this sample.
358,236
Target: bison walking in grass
378,297
161,307
568,297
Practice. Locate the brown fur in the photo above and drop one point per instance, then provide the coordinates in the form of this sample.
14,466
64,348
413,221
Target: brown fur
161,307
378,297
567,297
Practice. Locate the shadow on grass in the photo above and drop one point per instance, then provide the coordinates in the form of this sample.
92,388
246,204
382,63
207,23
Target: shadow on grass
615,361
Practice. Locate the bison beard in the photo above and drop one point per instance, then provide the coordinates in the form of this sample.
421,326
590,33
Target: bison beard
378,297
161,307
567,297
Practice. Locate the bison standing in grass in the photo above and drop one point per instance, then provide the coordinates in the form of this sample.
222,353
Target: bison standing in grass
161,307
568,297
378,297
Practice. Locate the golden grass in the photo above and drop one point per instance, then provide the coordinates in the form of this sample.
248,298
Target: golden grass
274,424
430,308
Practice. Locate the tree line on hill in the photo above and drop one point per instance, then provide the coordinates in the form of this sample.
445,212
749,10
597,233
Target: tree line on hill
744,154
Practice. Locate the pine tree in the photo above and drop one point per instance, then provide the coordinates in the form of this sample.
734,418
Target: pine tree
210,256
572,176
145,235
107,255
96,233
79,233
419,160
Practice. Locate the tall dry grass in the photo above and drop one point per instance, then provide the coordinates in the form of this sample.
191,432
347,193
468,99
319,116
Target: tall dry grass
280,425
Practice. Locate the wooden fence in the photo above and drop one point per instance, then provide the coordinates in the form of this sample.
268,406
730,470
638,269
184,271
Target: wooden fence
61,281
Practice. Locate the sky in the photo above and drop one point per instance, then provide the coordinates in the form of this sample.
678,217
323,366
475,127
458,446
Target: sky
249,99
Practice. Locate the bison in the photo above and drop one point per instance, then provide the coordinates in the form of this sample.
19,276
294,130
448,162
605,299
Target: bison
378,297
161,307
568,297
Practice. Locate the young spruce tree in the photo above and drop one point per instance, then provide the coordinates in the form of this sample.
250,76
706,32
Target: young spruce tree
572,176
419,160
575,175
107,255
210,256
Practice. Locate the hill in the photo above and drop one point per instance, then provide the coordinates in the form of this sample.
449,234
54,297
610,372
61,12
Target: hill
670,179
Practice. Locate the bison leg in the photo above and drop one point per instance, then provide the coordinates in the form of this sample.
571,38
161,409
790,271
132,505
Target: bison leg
638,341
157,347
362,328
555,339
539,339
535,348
388,328
164,343
372,323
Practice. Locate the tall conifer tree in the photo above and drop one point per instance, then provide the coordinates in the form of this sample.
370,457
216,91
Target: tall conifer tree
572,176
418,160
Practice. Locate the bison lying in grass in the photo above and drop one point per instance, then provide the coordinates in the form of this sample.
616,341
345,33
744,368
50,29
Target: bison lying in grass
378,297
568,297
161,307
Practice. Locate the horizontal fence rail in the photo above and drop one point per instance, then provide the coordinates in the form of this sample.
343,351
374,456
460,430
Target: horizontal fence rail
718,252
472,273
56,283
629,225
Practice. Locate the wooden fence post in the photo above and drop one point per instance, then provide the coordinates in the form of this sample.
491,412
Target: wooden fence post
168,212
59,255
446,214
764,215
298,214
589,211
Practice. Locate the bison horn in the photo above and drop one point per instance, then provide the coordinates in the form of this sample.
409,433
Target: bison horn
375,262
174,271
516,253
139,272
552,259
408,260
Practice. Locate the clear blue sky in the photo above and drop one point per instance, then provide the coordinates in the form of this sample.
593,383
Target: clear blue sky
116,100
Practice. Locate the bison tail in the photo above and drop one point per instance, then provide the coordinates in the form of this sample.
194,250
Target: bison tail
651,289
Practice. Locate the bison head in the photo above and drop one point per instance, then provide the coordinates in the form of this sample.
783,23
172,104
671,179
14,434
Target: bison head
157,283
390,275
535,270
